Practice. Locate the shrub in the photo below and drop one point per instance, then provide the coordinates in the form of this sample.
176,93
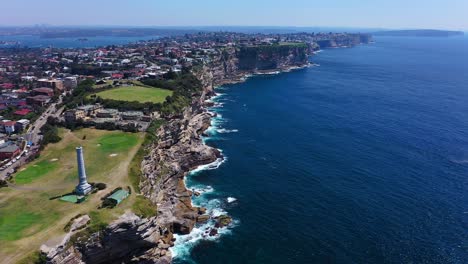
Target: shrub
3,183
100,186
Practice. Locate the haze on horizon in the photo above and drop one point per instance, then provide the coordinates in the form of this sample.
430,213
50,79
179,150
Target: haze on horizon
436,14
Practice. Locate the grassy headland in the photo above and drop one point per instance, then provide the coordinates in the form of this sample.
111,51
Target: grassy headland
28,218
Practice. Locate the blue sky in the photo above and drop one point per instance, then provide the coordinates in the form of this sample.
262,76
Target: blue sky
442,14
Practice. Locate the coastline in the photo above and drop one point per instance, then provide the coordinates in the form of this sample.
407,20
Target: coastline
179,152
205,230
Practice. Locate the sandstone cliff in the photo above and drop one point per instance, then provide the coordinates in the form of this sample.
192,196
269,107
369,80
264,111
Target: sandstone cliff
272,57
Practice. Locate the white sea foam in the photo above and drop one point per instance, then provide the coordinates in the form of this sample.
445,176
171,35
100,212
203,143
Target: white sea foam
203,189
268,73
211,166
223,130
184,243
231,199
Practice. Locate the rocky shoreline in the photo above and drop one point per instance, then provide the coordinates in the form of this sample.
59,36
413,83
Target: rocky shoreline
178,150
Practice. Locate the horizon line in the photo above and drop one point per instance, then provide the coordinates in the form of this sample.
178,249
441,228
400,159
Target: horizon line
228,26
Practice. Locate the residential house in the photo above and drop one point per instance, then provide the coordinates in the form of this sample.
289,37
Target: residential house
8,126
43,91
73,115
9,150
107,113
51,83
21,125
40,100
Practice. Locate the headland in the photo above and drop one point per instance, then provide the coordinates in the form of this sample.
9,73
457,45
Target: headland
176,147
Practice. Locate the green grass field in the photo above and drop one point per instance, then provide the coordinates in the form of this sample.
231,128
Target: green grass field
28,218
136,93
35,171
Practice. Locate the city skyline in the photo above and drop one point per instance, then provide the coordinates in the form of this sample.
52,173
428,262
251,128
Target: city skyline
296,13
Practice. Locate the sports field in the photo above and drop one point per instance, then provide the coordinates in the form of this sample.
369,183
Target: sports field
136,93
28,218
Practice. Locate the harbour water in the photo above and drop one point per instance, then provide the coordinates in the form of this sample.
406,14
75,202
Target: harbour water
363,159
91,42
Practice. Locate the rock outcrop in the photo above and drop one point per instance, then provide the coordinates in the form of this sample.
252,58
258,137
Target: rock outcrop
179,150
129,239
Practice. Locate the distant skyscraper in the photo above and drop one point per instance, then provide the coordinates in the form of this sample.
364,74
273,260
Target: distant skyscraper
83,187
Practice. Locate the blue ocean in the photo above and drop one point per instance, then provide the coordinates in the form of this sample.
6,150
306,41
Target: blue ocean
360,159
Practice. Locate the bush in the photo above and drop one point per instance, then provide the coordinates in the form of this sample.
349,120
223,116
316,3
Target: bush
100,186
108,203
50,134
3,183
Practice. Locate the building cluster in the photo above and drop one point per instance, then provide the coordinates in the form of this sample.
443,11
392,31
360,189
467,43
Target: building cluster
33,78
96,115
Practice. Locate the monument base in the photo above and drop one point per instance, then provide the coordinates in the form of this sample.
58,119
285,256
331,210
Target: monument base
83,189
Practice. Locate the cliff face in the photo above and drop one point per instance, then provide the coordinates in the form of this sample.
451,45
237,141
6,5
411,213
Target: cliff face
130,239
179,150
347,40
260,58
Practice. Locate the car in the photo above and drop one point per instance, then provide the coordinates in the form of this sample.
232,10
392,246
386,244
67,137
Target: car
9,164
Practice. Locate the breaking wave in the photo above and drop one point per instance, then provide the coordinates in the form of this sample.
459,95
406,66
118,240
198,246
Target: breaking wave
223,130
205,196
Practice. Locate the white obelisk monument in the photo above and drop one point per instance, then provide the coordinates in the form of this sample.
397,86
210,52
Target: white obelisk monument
83,187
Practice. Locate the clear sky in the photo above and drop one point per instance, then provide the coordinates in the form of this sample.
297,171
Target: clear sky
441,14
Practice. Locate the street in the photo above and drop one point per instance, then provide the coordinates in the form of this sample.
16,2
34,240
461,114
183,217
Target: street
31,135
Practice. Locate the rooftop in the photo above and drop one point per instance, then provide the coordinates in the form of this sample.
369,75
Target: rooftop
119,196
8,147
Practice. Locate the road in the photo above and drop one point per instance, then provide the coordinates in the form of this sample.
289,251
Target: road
32,135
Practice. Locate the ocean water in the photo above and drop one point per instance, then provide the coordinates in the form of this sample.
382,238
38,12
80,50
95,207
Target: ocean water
38,42
363,159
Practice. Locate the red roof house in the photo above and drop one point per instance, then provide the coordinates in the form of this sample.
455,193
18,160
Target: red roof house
22,112
7,85
117,75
